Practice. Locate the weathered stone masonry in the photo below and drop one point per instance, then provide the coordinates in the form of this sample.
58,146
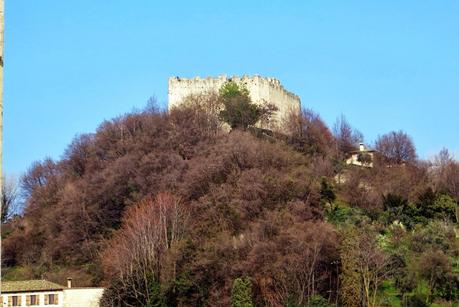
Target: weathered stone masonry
261,90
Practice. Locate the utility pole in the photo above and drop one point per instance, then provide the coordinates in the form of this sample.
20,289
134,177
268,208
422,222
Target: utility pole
2,31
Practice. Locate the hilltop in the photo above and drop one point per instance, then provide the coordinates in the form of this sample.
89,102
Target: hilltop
169,208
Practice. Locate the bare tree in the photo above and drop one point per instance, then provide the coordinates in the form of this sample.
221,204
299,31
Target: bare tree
347,138
308,133
396,147
364,267
152,105
316,243
445,173
136,254
10,197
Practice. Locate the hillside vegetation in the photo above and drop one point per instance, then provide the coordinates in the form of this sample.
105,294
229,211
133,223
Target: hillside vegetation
171,209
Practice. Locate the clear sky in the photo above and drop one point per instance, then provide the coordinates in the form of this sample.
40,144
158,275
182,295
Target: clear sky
386,65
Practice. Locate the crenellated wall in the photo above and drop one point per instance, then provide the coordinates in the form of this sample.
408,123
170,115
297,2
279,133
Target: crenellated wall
261,90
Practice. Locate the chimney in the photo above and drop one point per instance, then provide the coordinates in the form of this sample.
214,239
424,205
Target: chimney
69,282
361,147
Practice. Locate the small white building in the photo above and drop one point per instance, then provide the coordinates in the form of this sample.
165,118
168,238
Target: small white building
46,293
31,293
362,157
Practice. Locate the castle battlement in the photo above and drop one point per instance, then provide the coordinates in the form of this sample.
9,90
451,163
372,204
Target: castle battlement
261,90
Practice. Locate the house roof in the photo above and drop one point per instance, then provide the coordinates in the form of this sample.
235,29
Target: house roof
29,286
361,151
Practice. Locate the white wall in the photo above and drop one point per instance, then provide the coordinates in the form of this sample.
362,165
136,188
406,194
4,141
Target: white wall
82,297
73,297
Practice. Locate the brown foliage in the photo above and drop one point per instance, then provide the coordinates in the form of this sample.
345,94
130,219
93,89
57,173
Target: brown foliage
309,134
435,267
445,173
230,180
364,267
364,187
254,203
347,138
73,204
136,253
396,147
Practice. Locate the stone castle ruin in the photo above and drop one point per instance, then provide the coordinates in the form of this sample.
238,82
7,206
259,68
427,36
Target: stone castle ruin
261,89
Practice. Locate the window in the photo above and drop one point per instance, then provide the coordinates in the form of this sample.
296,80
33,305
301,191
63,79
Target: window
32,300
15,300
51,299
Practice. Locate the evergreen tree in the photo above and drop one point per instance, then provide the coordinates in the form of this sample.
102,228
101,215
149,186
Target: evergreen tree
327,192
239,112
241,295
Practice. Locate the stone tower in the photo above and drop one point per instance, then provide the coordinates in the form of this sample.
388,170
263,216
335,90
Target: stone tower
261,90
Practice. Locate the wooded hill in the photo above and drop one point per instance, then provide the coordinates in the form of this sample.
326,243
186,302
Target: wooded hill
171,209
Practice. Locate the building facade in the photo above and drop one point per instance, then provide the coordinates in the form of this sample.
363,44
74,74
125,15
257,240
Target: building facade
31,293
46,293
363,157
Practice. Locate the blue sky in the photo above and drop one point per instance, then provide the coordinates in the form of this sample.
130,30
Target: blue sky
386,65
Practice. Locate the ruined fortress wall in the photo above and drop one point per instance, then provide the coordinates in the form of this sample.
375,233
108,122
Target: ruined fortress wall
261,90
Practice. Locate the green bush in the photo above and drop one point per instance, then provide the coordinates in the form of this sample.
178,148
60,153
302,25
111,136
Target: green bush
419,297
241,295
157,299
318,301
327,192
389,294
339,213
239,111
415,300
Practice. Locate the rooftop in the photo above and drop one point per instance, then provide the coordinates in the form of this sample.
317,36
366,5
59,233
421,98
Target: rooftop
29,286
